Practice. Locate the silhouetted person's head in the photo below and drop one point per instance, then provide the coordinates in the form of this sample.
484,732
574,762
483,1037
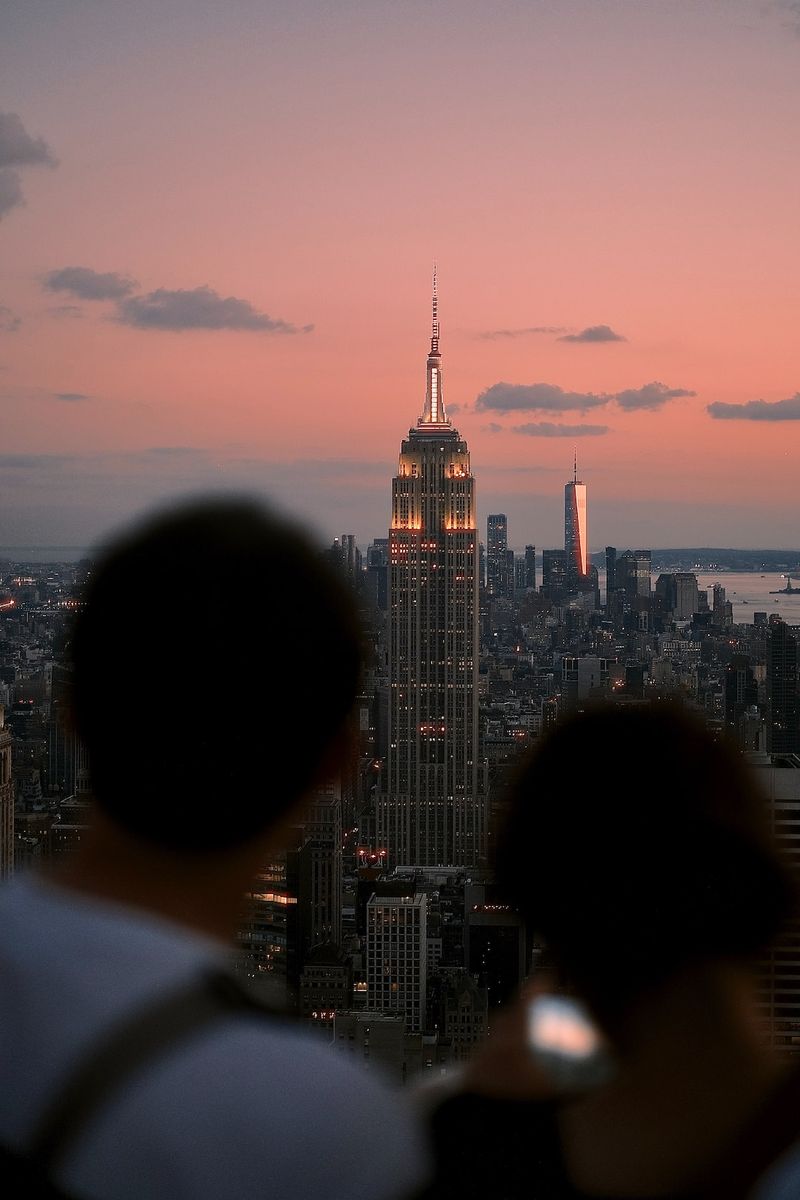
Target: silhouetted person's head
216,661
638,847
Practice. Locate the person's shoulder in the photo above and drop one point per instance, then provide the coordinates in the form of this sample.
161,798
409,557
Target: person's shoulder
269,1102
782,1180
295,1059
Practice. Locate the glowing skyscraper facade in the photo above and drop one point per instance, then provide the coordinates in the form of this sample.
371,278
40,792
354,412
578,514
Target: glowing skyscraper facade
432,809
575,532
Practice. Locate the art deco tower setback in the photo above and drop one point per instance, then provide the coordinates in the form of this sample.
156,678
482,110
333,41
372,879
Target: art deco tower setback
432,810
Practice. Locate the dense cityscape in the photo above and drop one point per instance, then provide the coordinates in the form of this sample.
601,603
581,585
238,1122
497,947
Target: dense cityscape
380,925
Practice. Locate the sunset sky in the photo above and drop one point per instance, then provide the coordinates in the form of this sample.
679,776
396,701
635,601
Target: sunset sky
218,223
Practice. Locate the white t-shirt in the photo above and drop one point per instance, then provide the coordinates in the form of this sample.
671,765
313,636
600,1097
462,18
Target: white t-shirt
244,1109
782,1180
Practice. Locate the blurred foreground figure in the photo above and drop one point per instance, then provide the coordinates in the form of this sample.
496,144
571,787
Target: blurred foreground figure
636,1066
216,1098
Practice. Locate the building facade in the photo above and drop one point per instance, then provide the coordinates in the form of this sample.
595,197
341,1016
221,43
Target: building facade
397,957
6,802
576,545
497,556
783,729
432,806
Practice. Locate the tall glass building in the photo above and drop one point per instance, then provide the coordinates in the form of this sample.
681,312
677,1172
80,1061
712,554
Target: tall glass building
576,543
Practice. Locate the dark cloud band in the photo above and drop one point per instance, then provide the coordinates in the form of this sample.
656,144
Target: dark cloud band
594,334
550,429
758,410
18,149
87,284
548,397
198,308
493,335
541,397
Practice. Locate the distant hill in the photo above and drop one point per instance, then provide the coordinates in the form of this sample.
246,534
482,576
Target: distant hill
709,558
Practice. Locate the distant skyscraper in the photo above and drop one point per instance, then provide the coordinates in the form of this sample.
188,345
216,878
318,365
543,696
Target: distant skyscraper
496,553
741,694
320,868
554,573
530,568
432,810
783,730
575,532
667,592
686,595
632,573
611,573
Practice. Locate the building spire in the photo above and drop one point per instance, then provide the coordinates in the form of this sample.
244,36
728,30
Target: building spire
435,323
434,413
575,466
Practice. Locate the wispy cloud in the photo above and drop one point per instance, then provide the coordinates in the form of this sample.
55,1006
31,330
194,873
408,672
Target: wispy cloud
549,429
172,309
33,462
9,321
542,397
199,308
593,334
549,397
758,410
88,284
650,396
790,11
71,397
492,335
492,427
18,149
72,311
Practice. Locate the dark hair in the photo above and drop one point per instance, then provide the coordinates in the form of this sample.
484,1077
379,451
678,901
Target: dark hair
216,660
636,845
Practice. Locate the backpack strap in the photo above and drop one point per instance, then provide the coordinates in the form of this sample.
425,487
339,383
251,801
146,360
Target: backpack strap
130,1045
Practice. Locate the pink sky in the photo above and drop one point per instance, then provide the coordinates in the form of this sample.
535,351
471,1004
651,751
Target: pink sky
569,164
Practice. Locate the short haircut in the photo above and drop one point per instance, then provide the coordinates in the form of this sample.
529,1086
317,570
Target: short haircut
216,657
637,845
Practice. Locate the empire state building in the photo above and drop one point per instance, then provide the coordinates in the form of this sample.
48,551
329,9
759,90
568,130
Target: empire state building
432,810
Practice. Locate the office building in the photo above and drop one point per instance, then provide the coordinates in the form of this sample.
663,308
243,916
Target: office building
583,680
397,957
779,975
741,695
432,807
320,869
666,591
495,946
554,574
686,595
497,554
576,546
530,568
611,573
632,574
783,727
6,802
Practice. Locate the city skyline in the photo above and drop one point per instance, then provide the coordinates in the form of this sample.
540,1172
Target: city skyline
218,286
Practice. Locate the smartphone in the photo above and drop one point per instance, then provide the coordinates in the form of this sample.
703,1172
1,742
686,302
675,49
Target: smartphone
567,1044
